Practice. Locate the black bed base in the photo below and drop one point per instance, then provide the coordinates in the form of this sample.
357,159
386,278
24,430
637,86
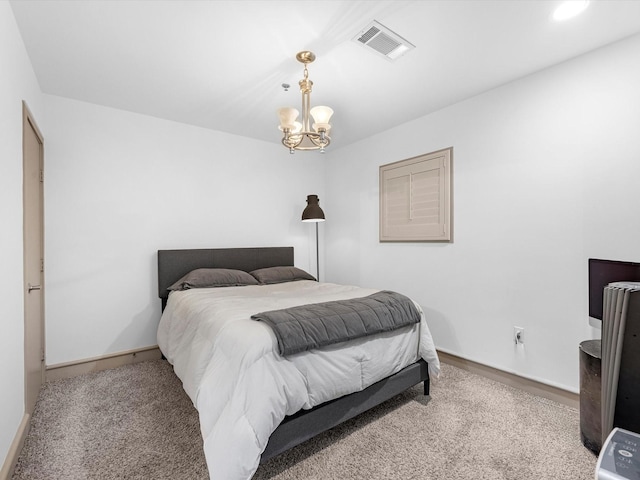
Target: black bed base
306,424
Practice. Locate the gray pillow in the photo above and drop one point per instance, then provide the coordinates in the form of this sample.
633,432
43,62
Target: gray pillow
280,275
213,277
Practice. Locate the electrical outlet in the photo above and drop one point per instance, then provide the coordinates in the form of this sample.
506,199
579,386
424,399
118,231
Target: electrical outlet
518,335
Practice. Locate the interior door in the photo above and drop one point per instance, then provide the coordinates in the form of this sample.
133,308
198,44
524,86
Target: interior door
33,220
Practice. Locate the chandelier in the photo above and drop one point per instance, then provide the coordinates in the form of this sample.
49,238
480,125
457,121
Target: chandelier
298,135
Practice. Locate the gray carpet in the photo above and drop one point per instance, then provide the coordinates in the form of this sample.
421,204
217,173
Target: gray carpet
136,422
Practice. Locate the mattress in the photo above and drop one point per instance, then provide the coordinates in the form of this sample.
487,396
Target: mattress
243,388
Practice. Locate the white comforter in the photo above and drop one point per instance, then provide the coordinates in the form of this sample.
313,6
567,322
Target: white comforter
242,387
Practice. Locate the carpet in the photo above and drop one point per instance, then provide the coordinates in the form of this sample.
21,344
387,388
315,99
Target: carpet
136,422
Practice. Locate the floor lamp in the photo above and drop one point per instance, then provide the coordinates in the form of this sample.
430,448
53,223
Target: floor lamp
313,213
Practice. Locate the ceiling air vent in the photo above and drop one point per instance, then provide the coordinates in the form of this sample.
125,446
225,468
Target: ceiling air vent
383,41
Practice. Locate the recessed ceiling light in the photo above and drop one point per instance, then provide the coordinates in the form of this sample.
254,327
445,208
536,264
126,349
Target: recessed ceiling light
570,9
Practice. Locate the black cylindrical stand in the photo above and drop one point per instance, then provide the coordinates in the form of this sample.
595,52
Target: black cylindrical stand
590,393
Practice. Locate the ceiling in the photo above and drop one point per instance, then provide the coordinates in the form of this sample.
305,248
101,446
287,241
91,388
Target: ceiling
220,64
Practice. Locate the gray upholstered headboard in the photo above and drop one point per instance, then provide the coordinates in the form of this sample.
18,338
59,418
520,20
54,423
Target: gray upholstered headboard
174,264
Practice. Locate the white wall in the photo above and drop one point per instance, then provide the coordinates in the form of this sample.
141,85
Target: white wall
540,167
120,186
17,83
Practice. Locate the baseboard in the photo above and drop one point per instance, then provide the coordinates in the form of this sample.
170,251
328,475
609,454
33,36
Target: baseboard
104,362
556,394
15,448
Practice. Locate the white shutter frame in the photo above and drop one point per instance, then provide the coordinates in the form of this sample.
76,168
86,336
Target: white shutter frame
416,199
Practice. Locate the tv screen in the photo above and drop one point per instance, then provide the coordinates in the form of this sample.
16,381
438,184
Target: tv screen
602,273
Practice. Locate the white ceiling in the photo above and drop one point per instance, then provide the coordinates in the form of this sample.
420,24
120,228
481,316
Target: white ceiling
220,64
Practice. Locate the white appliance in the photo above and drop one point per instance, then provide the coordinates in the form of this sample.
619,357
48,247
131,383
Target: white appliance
619,458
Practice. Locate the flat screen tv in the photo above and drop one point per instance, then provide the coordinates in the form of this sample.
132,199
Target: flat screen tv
602,273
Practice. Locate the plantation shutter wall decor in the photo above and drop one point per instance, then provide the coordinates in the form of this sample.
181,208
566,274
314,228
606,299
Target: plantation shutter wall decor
415,199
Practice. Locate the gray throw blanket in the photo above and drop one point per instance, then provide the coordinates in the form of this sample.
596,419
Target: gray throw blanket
320,324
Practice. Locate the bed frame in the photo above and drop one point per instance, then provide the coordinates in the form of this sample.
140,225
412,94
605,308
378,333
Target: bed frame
297,428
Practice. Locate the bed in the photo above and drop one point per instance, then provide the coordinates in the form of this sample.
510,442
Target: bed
276,423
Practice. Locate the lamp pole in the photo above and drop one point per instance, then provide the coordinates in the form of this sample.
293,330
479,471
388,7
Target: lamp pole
317,253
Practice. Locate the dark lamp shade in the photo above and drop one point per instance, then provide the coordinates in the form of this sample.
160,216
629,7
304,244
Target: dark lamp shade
313,212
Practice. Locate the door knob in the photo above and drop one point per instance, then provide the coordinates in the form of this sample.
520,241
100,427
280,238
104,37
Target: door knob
32,287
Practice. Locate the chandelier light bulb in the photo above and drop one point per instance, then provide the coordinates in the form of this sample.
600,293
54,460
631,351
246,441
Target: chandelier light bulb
321,115
297,128
288,117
